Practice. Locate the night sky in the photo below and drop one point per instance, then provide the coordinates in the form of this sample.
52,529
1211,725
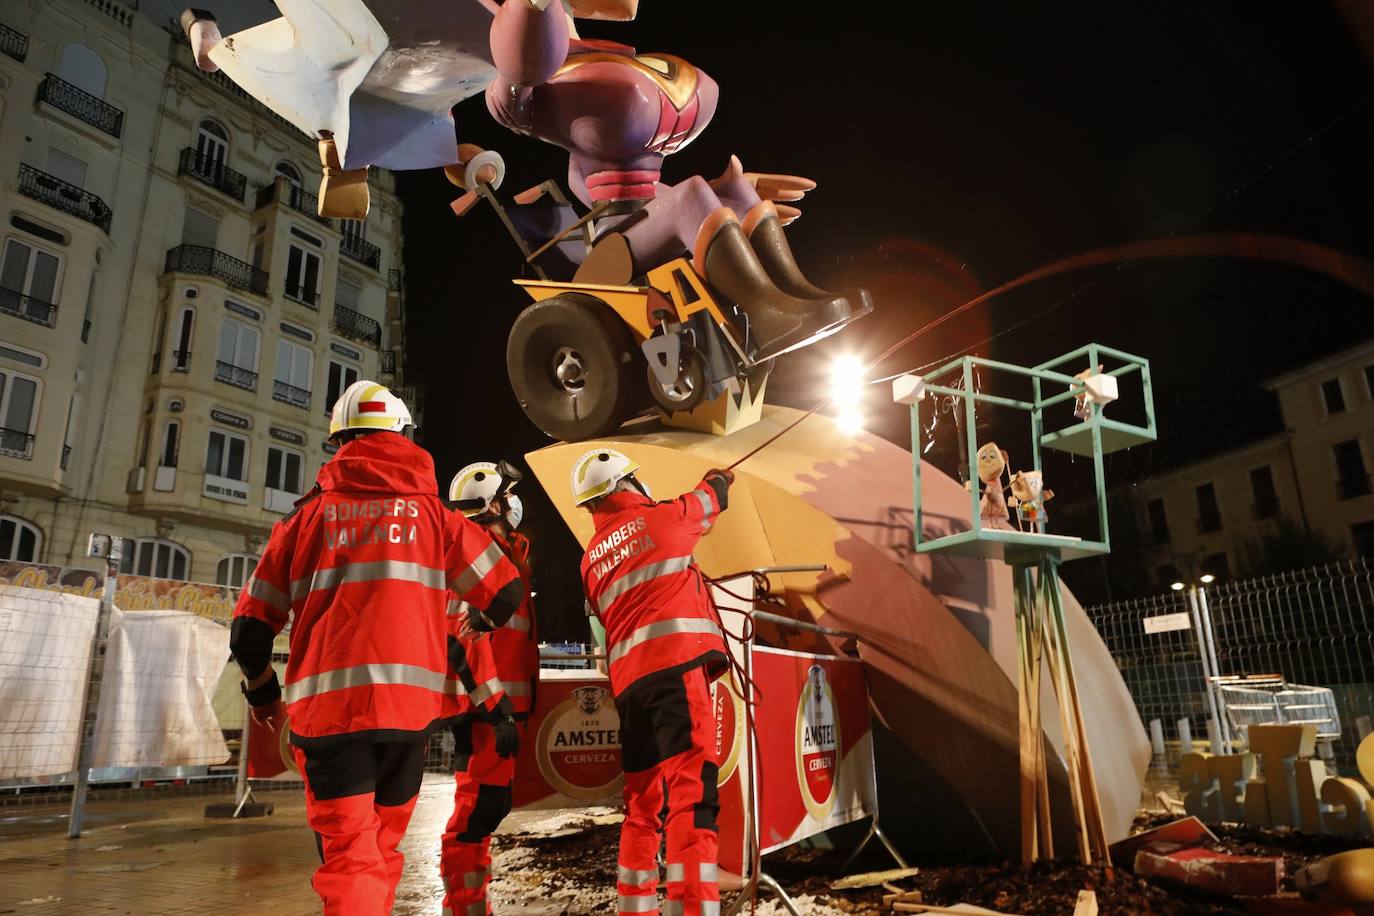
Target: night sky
957,146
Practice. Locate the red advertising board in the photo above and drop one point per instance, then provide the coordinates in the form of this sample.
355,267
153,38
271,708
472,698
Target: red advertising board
814,745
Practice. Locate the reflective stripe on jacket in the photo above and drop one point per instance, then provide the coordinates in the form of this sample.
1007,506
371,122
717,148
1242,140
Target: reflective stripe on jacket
503,663
365,567
642,582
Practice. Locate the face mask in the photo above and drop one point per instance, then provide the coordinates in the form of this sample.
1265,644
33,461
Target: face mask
515,511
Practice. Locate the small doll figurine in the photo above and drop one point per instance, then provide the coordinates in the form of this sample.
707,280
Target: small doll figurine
1082,408
1028,496
992,507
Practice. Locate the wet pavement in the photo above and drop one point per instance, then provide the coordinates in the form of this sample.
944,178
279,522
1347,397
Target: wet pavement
162,857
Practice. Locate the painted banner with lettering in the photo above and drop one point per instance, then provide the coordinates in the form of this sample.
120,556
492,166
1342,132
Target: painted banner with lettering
815,745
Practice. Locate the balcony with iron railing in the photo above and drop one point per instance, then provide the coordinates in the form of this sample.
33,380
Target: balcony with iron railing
293,197
16,443
181,360
393,280
14,43
388,362
1159,535
361,250
13,302
1263,509
290,394
211,262
80,104
237,376
1352,486
357,326
210,171
64,196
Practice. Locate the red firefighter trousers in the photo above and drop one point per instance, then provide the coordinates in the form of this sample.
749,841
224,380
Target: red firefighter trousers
481,800
667,732
358,800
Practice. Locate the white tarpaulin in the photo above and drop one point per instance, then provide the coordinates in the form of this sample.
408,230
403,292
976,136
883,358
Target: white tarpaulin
45,654
155,699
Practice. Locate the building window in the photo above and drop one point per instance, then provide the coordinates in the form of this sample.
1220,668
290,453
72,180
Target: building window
1352,479
199,229
341,375
1333,396
303,276
1362,538
67,167
83,68
181,356
237,361
18,411
1217,565
1159,522
284,469
1168,575
289,172
157,558
353,229
171,445
233,570
212,146
347,294
291,385
1208,513
1266,503
227,456
19,540
28,281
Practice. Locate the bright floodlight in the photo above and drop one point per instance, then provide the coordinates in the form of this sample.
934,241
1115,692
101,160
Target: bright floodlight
847,383
1208,579
1177,586
851,422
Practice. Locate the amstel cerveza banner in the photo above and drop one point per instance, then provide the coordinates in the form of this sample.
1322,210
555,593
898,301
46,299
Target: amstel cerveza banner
570,757
815,745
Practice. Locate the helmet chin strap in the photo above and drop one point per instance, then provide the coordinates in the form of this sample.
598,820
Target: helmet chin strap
641,487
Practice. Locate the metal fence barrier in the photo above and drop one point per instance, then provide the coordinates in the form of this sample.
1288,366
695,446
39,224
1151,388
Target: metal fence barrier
1312,627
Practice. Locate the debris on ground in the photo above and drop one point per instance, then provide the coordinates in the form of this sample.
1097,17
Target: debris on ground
873,878
1214,872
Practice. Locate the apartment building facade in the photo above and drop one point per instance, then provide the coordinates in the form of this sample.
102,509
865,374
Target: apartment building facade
175,320
1196,519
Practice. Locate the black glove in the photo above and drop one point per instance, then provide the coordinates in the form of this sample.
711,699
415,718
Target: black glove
263,694
507,736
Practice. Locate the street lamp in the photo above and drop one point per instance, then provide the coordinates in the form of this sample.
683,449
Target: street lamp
1207,654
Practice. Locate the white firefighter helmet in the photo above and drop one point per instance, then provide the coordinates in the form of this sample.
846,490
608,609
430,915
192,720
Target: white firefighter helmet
367,405
597,472
481,487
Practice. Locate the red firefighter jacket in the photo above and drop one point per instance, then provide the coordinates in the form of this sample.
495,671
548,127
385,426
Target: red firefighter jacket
499,667
642,581
365,566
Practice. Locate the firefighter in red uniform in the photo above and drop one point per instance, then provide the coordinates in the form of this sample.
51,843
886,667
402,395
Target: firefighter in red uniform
364,566
664,649
505,666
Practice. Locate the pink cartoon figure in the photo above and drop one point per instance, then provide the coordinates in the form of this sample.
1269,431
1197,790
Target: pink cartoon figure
619,113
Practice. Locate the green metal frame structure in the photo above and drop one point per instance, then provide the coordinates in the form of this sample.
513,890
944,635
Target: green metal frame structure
1042,636
1092,438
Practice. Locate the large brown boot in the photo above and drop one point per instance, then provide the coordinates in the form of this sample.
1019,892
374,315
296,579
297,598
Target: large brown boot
343,194
778,322
766,237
